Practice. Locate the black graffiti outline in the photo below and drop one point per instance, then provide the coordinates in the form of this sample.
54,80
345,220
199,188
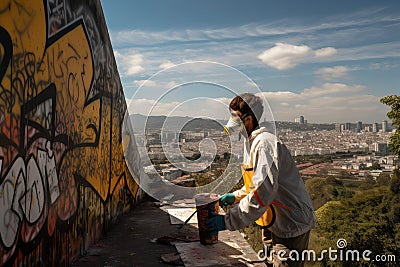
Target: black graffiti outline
122,177
54,38
6,42
2,180
34,186
92,95
47,94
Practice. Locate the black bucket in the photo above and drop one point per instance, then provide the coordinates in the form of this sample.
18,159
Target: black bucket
206,204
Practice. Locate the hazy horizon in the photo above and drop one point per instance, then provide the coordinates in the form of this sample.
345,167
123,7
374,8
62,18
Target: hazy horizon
342,122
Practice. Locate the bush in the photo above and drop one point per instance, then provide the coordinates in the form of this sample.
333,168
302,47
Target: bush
383,179
368,221
395,182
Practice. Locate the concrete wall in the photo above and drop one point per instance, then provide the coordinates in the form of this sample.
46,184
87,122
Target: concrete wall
63,178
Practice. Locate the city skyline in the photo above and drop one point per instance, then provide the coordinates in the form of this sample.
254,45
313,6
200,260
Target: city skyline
330,61
374,125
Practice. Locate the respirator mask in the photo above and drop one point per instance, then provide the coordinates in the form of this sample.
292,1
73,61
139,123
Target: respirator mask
235,126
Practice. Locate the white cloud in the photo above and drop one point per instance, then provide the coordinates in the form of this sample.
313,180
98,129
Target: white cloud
172,84
325,52
332,73
147,83
369,51
130,64
248,41
330,102
134,64
285,56
326,102
331,88
166,64
361,19
214,108
162,85
134,70
145,107
314,92
282,96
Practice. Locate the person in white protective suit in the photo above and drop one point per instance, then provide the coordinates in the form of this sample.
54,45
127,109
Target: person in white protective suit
273,195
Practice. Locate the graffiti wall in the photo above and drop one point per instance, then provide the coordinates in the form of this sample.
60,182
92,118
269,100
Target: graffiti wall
63,178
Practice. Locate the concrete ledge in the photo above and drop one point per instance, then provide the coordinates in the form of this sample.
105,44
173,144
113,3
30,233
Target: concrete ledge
143,236
231,250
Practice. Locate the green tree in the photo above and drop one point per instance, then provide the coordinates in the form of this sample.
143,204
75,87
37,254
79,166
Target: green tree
344,174
368,221
383,179
395,182
363,166
394,114
375,166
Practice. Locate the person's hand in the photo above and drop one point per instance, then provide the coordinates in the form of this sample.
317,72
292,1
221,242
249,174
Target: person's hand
215,223
227,199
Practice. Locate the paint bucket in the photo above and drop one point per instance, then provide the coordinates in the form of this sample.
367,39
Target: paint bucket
206,204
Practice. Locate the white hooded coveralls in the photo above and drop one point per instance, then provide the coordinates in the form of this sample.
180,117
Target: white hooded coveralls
276,178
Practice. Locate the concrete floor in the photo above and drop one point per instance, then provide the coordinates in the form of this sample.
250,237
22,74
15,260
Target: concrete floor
133,242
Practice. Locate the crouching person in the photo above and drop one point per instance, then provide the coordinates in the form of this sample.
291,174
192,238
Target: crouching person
273,195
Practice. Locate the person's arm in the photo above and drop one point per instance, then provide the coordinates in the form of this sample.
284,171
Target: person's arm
239,194
254,204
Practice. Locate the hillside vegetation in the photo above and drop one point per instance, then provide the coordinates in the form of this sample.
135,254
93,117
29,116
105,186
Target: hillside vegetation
364,213
369,219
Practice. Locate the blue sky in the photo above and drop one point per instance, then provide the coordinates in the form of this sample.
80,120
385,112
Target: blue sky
330,61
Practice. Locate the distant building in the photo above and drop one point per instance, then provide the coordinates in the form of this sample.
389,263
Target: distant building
299,120
171,173
382,149
347,126
384,126
168,136
375,127
337,127
359,126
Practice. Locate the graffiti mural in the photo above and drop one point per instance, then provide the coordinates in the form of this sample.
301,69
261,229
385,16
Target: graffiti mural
63,178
